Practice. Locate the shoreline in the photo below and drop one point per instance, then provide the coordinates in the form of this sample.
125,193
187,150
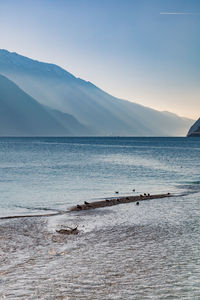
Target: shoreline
30,216
95,204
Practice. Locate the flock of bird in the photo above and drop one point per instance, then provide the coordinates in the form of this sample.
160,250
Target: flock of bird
116,192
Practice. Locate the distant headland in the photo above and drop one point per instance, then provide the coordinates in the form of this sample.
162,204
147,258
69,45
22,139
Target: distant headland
195,129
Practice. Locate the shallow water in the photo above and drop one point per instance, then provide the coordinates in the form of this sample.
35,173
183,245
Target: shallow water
150,251
55,173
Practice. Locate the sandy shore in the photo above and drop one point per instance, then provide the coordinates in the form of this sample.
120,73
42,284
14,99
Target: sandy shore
118,200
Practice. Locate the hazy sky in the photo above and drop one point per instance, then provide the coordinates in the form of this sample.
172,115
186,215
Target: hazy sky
146,51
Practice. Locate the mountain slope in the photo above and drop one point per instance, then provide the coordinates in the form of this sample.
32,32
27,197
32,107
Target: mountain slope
21,115
54,87
195,129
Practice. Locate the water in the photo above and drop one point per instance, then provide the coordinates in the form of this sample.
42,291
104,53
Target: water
122,252
55,173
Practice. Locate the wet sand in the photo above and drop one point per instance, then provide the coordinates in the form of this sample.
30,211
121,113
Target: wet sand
118,200
125,253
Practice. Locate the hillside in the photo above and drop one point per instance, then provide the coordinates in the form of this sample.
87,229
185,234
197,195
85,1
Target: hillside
56,88
195,129
21,115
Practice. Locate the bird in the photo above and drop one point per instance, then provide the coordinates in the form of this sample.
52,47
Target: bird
168,193
118,200
127,198
145,194
116,192
137,203
107,200
85,202
148,194
74,229
79,207
141,195
133,190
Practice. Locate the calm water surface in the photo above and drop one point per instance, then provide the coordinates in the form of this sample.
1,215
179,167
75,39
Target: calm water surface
122,252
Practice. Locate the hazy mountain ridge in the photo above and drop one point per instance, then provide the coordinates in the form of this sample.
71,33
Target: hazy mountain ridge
54,87
195,129
21,115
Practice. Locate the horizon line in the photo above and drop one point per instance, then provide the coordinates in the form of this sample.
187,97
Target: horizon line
177,13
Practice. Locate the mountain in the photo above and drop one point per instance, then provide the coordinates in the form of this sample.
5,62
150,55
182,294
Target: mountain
195,129
56,88
21,115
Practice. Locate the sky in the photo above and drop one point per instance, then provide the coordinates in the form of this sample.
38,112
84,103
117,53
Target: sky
145,51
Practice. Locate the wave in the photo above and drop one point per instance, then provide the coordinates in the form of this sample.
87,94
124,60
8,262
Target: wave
37,208
195,182
190,187
30,216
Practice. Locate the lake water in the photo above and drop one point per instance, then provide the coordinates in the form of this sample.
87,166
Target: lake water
150,251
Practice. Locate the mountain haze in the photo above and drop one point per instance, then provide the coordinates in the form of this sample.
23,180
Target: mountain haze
56,88
21,115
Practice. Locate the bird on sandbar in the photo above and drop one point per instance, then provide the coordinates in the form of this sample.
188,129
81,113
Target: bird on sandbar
116,192
141,196
137,203
133,190
127,198
79,207
86,203
74,229
148,194
145,194
107,200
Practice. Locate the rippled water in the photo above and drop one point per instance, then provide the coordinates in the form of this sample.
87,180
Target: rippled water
150,251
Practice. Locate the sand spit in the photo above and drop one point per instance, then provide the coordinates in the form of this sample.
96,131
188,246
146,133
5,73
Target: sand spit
118,200
96,204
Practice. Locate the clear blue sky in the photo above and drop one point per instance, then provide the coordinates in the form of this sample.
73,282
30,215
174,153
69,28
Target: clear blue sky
146,51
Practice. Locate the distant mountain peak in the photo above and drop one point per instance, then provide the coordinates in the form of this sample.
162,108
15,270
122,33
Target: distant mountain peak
14,60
